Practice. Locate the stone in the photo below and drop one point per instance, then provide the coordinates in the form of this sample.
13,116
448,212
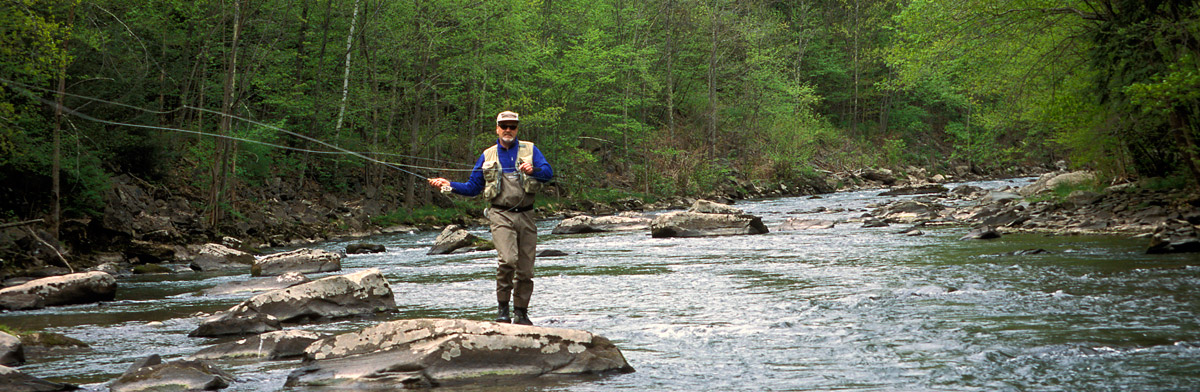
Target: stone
424,353
805,224
188,375
588,224
695,224
12,351
1050,181
216,257
269,345
363,292
1174,236
966,190
981,233
550,253
916,190
874,222
303,260
259,285
709,207
78,288
13,380
452,238
231,323
364,248
906,211
1082,198
884,176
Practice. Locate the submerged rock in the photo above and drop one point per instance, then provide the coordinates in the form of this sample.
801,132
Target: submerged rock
425,353
151,374
78,288
696,224
269,345
365,248
259,285
13,380
300,260
361,292
805,224
981,233
916,190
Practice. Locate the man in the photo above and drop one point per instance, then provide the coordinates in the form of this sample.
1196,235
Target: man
509,174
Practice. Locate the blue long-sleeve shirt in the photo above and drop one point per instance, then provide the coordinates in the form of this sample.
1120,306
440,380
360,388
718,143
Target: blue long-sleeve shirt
508,162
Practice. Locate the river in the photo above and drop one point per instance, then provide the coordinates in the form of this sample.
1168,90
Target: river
847,308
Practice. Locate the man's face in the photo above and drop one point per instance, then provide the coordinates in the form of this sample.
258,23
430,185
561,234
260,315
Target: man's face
506,131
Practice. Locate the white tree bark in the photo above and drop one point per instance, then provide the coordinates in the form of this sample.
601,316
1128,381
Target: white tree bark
346,76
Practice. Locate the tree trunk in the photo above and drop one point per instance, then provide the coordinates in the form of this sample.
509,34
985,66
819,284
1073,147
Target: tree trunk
56,168
225,146
337,129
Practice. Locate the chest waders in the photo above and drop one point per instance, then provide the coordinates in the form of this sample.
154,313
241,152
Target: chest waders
513,229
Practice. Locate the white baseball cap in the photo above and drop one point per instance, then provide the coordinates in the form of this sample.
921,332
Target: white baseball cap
507,116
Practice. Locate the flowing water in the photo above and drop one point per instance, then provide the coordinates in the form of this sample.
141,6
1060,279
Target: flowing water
847,308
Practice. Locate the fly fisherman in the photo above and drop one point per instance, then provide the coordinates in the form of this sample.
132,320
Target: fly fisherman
509,174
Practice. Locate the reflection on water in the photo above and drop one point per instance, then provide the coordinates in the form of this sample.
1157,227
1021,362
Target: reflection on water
844,308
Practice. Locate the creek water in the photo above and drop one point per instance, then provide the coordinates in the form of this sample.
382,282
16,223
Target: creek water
847,308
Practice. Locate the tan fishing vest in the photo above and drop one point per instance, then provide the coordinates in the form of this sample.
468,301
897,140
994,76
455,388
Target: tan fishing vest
509,189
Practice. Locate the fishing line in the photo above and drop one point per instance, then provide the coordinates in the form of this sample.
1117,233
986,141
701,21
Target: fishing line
340,151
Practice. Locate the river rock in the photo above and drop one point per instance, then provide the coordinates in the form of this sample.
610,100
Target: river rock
284,281
300,260
882,175
1050,181
965,190
452,238
908,211
12,380
186,375
362,292
1174,236
78,288
423,353
805,224
12,352
364,248
996,197
709,207
874,222
916,190
587,224
696,224
215,257
981,233
550,253
1082,198
269,345
230,323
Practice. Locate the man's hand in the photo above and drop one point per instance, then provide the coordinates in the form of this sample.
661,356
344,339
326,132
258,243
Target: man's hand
439,182
525,168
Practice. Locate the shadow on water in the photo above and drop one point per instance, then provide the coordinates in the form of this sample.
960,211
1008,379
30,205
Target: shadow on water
847,308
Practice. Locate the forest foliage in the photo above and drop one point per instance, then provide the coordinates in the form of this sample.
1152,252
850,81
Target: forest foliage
662,97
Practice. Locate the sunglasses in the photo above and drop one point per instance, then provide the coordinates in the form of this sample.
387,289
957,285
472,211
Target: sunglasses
508,127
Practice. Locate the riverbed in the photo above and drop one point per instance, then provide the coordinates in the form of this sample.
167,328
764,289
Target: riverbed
847,308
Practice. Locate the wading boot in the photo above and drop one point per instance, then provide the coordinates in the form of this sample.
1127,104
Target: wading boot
522,316
502,316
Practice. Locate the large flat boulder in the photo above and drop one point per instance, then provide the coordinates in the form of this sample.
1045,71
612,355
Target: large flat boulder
698,224
362,292
1050,181
424,353
304,260
78,288
588,224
